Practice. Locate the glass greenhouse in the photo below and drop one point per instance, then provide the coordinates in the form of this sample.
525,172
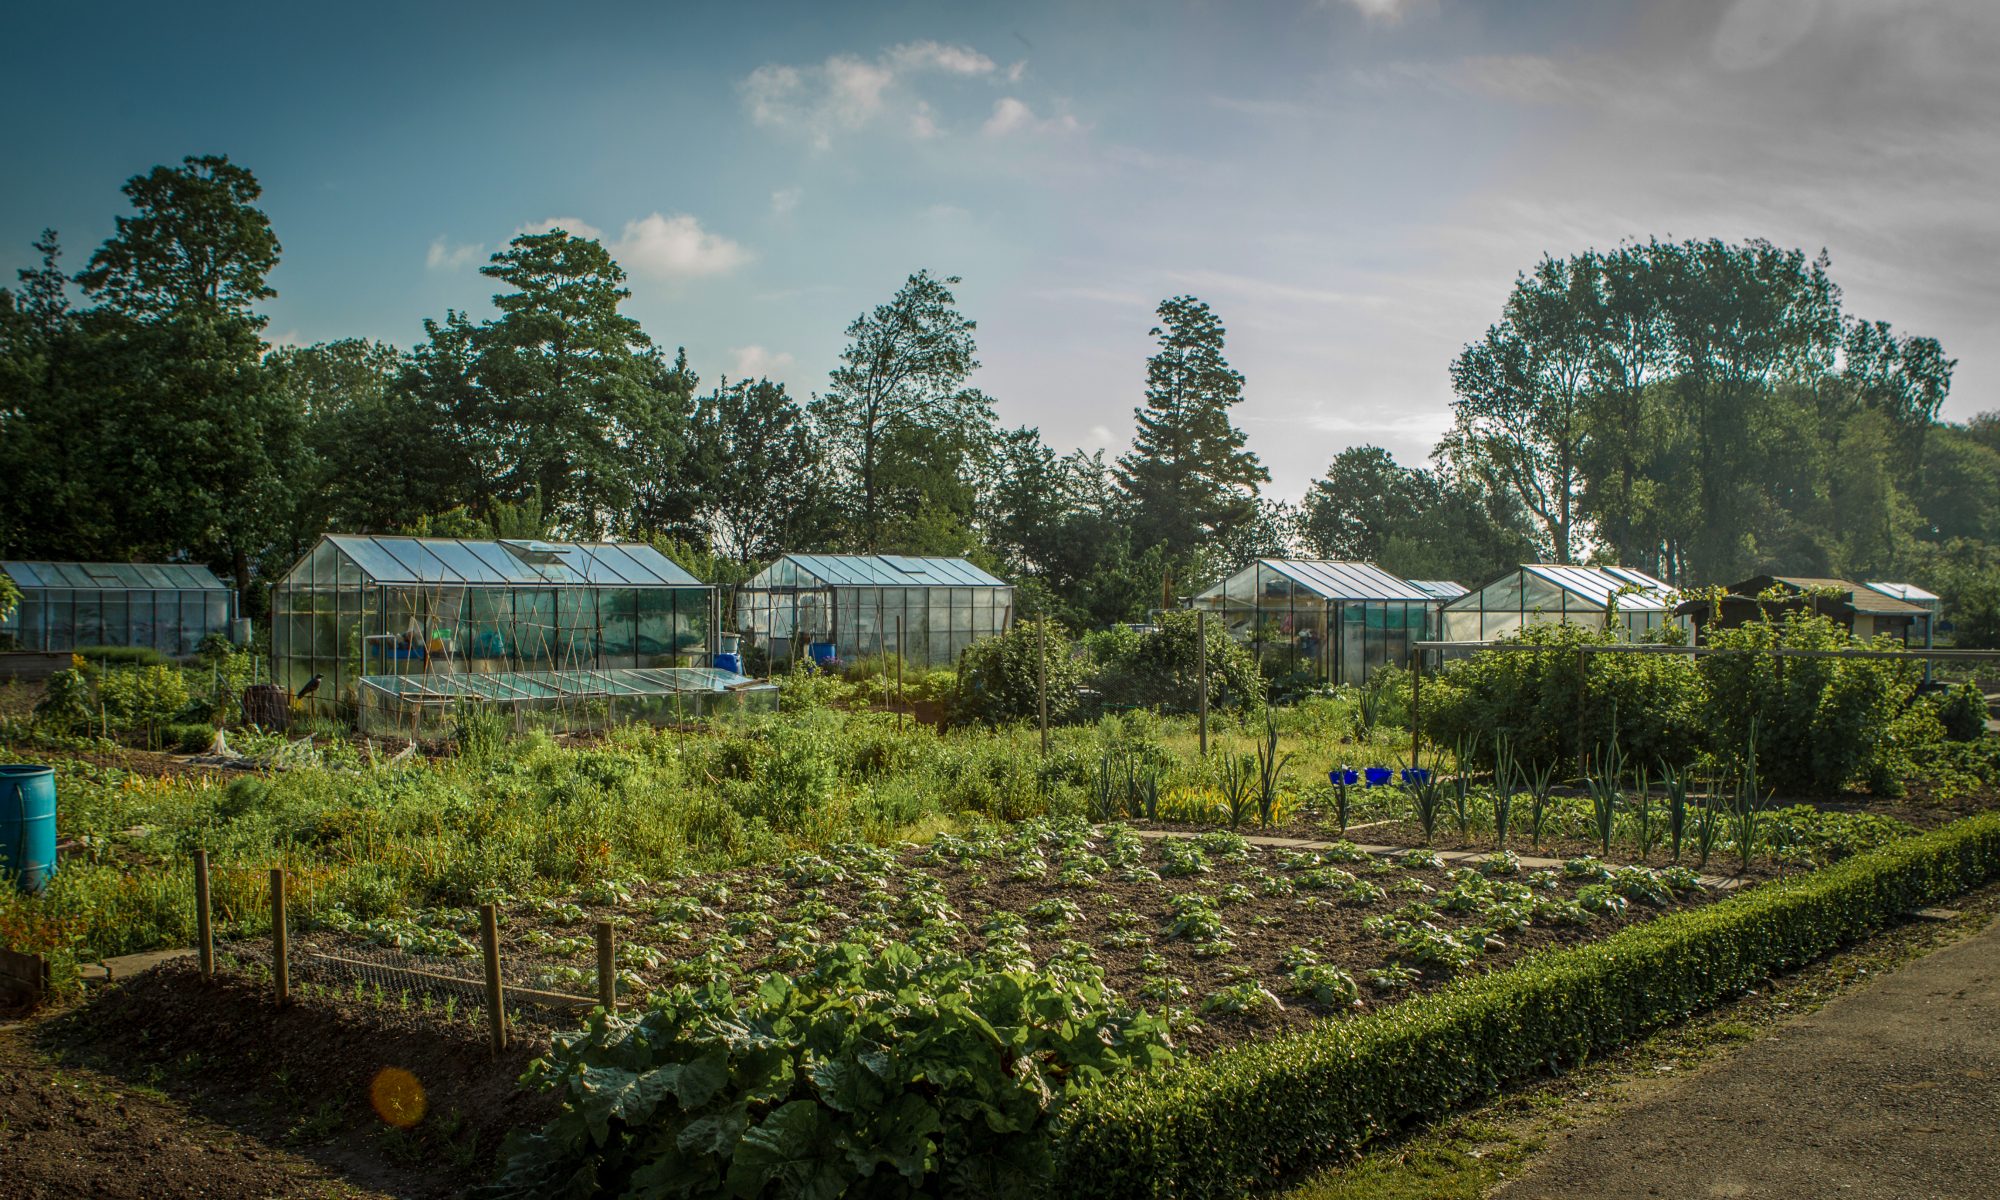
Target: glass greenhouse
849,605
167,607
1337,621
401,630
1558,594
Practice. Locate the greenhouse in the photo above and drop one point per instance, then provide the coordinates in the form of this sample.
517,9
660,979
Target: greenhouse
401,630
848,606
1632,604
169,607
1337,621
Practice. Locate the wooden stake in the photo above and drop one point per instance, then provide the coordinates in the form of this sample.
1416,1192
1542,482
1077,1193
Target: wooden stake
899,672
1042,677
1582,751
496,999
204,929
281,965
1416,698
607,969
1201,651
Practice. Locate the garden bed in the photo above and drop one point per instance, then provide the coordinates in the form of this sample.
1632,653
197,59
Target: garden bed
1240,941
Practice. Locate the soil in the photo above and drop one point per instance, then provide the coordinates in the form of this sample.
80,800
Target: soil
1888,1091
167,1085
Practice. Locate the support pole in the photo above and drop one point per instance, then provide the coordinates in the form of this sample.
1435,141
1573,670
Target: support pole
899,672
281,963
204,928
1201,674
1416,701
607,969
1042,677
1582,751
496,1000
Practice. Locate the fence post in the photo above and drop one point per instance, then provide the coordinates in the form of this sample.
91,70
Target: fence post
899,672
1582,751
204,931
607,969
496,1000
1201,675
1042,677
1416,702
281,962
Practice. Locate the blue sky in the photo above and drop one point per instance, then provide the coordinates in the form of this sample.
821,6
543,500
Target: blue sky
1351,184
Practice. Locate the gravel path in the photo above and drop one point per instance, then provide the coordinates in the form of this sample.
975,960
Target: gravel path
1891,1091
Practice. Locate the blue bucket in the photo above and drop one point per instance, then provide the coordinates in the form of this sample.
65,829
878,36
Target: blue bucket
821,653
28,825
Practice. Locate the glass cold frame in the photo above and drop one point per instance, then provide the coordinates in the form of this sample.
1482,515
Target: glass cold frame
169,607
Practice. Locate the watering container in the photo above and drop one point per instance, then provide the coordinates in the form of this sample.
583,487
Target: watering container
1416,775
728,653
1377,776
1343,776
821,653
28,825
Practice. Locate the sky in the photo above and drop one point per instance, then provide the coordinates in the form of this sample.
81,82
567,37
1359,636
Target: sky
1352,185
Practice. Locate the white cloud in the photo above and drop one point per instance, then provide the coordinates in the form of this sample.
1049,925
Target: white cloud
1012,115
1382,10
755,362
845,92
784,200
444,256
676,247
574,226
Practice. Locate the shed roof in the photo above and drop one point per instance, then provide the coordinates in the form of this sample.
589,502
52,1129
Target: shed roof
34,576
508,563
1908,592
1333,580
1860,598
888,570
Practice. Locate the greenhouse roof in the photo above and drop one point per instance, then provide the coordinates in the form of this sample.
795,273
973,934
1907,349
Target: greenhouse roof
414,560
1440,589
1334,580
1593,584
508,686
890,570
113,576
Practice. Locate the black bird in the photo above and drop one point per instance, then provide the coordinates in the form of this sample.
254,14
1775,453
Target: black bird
312,685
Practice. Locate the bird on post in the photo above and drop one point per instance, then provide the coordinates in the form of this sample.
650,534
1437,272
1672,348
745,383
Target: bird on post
312,685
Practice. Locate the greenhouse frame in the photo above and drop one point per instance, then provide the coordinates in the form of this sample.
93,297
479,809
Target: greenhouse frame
1631,604
835,606
402,631
1340,622
65,606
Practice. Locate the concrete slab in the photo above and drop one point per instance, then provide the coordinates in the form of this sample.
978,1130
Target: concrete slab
125,966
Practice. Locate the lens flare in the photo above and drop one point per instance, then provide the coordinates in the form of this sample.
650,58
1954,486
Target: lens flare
397,1096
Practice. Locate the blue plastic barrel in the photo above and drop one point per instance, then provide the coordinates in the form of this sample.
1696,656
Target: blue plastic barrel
821,653
28,825
730,662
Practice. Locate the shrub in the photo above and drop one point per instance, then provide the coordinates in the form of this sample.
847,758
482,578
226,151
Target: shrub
1962,711
888,1073
1223,1124
123,656
1162,669
998,677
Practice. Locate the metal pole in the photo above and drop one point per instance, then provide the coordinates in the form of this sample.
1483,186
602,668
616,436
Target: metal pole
1042,677
1582,758
281,969
1201,655
496,1000
1416,701
899,667
607,969
204,931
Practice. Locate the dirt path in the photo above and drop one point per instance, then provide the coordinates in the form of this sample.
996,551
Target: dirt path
1891,1091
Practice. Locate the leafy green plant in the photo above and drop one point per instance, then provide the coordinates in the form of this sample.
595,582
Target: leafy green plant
812,1086
1236,781
1325,984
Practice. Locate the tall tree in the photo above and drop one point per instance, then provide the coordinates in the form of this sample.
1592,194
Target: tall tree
1410,521
197,244
900,421
758,472
576,401
1188,477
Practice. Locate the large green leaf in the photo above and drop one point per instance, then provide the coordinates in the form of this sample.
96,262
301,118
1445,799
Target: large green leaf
788,1152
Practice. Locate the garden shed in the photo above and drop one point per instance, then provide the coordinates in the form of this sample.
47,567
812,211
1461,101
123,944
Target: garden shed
1337,621
1631,604
847,606
1866,611
402,630
169,607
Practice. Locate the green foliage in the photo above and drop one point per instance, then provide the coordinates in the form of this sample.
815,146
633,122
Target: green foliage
890,1069
123,656
1162,669
997,681
1226,1123
1962,711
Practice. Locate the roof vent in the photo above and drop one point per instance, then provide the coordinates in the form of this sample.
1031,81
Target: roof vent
543,553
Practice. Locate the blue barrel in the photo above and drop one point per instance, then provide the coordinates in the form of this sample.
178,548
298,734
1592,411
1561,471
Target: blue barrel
821,653
730,662
28,825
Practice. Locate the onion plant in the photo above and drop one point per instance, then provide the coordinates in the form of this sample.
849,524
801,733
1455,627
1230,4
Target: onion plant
1427,797
1606,791
1708,821
1503,789
1269,767
1675,783
1643,823
1540,784
1461,788
1341,778
1236,779
1746,808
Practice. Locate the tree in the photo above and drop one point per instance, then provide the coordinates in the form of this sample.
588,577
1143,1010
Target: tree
759,472
1412,522
197,245
1188,477
1522,390
574,399
897,409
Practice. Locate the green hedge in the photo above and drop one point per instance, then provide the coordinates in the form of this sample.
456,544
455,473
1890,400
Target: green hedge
1245,1116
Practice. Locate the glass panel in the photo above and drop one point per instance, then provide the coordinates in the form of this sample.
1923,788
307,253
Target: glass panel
618,614
655,638
89,618
117,608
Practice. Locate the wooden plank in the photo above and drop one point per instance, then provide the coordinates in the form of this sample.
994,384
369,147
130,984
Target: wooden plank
27,974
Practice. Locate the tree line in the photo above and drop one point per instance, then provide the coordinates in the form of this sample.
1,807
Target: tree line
1701,409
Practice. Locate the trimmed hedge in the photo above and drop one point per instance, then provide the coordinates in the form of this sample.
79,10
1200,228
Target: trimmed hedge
1246,1116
